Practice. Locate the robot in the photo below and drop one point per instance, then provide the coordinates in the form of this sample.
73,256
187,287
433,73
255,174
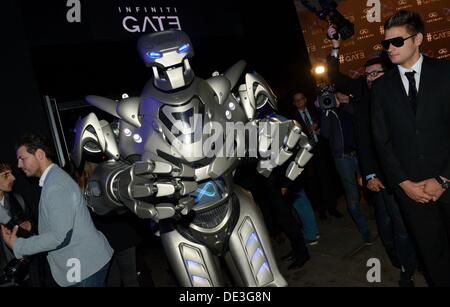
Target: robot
158,167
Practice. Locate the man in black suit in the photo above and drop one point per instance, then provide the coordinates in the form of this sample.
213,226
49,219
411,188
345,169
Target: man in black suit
320,185
411,126
391,228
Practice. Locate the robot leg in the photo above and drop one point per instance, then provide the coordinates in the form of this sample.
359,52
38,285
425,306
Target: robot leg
250,248
193,264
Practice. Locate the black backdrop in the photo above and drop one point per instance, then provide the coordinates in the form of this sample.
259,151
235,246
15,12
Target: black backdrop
43,54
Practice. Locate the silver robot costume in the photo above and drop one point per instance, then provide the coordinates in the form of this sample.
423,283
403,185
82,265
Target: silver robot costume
159,169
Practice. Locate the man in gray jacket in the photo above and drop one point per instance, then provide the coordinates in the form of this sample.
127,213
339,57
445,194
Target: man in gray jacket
12,212
78,254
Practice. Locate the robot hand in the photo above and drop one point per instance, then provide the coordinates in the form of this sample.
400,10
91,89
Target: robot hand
144,182
270,133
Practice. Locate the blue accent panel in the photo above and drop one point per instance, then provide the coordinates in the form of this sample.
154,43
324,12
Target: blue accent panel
196,278
184,48
193,264
154,55
250,239
264,267
257,251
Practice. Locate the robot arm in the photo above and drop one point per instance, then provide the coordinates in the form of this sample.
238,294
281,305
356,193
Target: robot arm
279,141
138,186
94,136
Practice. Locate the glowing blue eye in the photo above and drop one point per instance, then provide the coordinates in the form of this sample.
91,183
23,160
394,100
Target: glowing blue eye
154,55
183,49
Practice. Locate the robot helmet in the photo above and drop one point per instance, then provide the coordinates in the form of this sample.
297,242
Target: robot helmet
168,53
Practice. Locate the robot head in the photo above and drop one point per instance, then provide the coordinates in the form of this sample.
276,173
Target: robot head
168,53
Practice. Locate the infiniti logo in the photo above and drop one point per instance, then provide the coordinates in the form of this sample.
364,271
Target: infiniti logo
402,2
433,14
377,47
364,31
443,51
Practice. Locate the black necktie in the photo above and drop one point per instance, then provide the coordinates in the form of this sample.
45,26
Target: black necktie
309,128
412,93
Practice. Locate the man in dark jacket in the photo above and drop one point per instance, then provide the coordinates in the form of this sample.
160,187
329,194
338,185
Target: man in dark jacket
410,116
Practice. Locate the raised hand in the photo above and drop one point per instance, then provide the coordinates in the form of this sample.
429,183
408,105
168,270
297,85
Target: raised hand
9,236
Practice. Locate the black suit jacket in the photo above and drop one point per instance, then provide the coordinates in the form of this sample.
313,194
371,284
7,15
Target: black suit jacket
414,146
313,112
367,156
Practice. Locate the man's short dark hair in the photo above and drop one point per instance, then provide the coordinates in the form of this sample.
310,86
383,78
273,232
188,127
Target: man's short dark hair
5,166
375,60
33,142
412,20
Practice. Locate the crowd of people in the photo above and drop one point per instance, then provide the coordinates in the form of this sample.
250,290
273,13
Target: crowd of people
390,128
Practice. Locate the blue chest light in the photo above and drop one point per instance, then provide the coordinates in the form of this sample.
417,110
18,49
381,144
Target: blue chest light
183,49
154,55
208,190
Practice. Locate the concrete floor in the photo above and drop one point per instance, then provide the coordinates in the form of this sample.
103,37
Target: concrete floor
339,260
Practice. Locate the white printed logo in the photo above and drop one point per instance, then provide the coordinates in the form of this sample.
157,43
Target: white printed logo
74,13
74,273
374,273
374,12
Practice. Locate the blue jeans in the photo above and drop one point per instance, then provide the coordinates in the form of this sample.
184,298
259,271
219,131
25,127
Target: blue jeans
347,167
306,214
96,280
393,232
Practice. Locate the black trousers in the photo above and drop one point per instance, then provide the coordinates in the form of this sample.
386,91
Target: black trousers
321,180
392,230
429,225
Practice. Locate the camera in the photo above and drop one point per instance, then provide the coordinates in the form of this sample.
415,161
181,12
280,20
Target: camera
326,97
15,272
344,28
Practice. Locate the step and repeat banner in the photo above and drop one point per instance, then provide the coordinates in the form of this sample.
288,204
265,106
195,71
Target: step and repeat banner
368,16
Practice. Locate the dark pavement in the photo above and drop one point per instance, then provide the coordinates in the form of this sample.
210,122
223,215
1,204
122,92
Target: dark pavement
338,260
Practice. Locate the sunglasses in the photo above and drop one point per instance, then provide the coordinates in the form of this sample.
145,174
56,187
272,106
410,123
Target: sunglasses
396,41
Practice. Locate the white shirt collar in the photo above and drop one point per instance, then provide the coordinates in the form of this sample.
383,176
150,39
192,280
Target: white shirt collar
417,67
301,111
44,174
2,200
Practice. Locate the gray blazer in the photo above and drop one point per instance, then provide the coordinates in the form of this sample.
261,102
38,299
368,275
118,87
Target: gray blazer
66,231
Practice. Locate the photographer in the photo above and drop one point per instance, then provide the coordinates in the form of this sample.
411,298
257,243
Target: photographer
12,212
319,185
337,125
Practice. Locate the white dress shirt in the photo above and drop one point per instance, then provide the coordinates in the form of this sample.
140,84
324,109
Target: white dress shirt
44,174
417,67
